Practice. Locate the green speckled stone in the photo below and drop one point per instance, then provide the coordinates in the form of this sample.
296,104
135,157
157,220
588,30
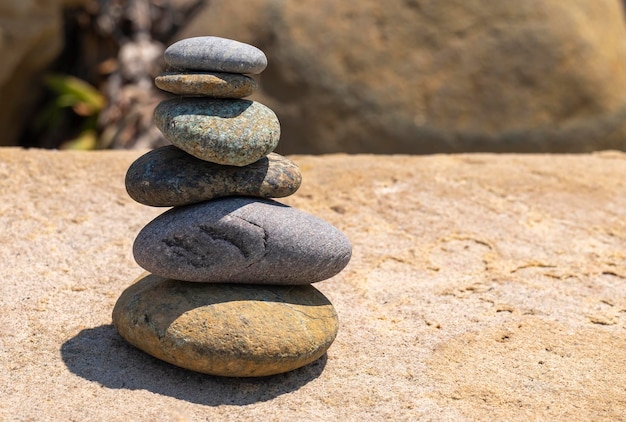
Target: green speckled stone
230,132
216,85
169,177
225,329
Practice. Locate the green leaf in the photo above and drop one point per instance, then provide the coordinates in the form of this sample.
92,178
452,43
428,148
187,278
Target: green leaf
73,91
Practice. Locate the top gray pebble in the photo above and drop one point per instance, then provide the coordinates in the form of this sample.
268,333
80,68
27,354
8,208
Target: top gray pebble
215,54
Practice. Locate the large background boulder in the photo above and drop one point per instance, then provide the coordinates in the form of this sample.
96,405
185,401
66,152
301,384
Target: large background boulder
425,76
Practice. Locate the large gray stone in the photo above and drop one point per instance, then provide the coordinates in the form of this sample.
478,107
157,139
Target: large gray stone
215,54
241,240
226,329
168,177
230,132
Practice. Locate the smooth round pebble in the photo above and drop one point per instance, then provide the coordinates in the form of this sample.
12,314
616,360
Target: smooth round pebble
229,132
216,85
168,177
215,54
225,329
241,240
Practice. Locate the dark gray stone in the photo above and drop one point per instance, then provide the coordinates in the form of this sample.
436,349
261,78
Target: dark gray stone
215,54
229,132
168,177
241,240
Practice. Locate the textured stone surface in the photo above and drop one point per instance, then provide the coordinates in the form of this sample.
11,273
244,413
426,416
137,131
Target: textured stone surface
241,240
215,54
225,329
436,76
168,177
230,132
217,85
481,287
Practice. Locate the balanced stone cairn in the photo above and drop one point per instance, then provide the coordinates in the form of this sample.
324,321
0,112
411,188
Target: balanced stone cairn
228,290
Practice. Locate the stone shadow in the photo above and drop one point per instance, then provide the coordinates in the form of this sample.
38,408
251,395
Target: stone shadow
99,354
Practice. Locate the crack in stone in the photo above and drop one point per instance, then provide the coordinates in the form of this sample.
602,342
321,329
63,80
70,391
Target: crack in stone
309,316
265,239
265,233
200,254
191,254
227,236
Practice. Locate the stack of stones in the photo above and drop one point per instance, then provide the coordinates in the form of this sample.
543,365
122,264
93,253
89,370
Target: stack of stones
228,290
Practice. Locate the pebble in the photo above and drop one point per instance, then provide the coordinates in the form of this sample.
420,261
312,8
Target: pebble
216,85
241,240
168,177
215,54
224,329
230,132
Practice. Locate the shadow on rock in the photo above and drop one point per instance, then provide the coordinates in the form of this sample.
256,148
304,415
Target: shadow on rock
99,354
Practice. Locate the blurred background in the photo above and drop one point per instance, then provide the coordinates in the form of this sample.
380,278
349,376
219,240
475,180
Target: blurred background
400,76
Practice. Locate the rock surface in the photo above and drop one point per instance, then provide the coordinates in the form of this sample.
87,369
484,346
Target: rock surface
229,132
241,240
216,85
168,177
481,287
224,329
436,76
215,54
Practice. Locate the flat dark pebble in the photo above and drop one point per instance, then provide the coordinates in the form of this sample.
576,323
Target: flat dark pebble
216,85
168,176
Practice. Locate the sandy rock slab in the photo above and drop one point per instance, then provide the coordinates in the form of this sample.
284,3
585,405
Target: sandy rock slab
481,287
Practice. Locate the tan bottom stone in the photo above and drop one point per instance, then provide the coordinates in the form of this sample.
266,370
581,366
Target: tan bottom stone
225,329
